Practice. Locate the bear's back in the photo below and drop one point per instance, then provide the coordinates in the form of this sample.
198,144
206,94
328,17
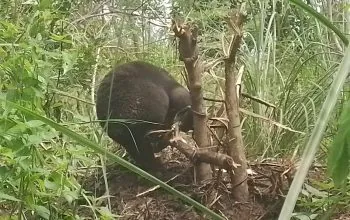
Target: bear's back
142,91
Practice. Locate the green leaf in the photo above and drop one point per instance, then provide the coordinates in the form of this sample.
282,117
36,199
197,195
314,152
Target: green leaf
51,185
70,196
30,2
69,60
339,153
341,170
106,214
61,38
347,141
35,139
16,130
315,191
8,197
42,211
34,123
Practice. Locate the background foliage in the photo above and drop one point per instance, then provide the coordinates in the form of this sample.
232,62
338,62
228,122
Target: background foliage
53,54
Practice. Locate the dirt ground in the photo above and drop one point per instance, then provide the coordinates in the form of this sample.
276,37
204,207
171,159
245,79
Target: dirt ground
136,198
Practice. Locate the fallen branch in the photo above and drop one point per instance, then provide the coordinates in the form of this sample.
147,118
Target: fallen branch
197,155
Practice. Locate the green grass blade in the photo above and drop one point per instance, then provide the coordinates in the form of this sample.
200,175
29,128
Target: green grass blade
322,19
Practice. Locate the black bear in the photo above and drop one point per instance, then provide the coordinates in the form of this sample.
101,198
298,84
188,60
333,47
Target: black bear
148,96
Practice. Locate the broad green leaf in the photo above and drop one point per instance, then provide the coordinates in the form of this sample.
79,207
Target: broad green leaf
339,153
51,185
70,196
34,123
42,211
315,191
8,197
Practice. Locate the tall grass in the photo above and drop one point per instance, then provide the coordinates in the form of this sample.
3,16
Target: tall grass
53,54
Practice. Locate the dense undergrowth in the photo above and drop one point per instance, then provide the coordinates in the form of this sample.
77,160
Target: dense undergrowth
53,54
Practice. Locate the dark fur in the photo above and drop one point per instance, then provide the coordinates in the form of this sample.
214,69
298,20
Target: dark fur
144,92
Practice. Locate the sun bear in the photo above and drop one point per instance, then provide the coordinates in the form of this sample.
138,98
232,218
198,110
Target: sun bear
147,98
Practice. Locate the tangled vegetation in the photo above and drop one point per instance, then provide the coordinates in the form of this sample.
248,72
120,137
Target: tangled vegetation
53,53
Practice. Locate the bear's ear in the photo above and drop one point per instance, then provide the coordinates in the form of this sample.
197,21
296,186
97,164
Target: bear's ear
185,119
